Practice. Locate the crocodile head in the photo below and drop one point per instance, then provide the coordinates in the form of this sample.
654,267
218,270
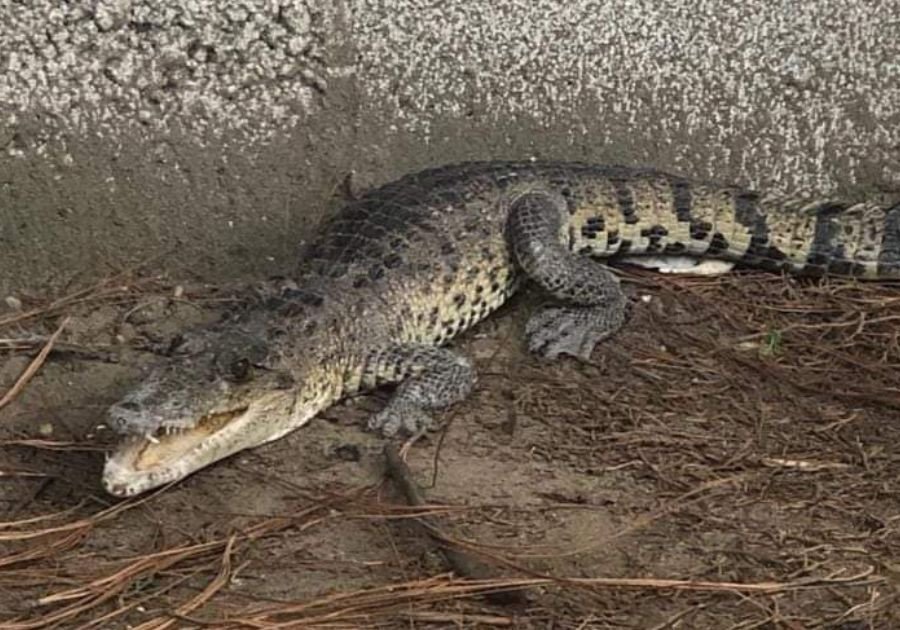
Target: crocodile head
220,392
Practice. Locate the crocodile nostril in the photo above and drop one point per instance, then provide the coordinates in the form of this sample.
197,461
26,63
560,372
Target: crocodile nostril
118,423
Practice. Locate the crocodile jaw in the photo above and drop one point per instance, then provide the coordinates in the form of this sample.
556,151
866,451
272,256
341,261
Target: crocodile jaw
139,464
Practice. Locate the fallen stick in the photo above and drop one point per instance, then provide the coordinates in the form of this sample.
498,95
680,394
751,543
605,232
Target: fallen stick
34,344
459,562
33,367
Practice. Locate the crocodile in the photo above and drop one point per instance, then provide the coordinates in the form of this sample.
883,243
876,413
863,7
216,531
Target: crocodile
404,268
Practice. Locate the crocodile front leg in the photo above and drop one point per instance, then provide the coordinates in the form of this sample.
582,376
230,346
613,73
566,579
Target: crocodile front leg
430,379
593,302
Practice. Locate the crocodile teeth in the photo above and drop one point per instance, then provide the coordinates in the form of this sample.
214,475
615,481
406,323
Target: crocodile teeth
151,437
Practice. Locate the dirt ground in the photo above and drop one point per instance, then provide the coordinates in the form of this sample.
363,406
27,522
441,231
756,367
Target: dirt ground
730,461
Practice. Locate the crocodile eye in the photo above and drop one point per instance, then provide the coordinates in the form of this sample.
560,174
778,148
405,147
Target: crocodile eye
241,370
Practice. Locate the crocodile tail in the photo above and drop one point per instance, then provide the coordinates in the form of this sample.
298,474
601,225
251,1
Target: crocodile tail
826,236
658,217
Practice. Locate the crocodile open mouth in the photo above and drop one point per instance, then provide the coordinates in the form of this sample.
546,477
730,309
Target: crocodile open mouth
169,443
141,462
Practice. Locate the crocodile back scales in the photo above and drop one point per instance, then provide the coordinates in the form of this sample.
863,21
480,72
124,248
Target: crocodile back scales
425,257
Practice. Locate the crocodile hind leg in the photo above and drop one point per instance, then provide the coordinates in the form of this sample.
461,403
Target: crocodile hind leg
593,304
430,379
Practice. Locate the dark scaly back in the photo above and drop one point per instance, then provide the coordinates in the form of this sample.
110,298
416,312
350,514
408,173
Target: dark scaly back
424,257
429,249
419,259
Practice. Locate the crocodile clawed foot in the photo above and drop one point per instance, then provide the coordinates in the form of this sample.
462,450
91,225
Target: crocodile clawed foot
570,330
441,378
401,417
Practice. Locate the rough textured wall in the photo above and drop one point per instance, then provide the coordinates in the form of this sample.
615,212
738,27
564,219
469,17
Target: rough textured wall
211,134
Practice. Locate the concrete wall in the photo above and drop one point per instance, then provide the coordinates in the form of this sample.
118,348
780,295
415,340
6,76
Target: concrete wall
209,135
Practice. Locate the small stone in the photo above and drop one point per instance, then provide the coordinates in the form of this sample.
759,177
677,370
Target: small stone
150,311
45,429
483,348
178,292
13,302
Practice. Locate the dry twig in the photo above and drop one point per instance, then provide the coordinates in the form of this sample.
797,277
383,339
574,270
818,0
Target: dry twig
460,562
33,367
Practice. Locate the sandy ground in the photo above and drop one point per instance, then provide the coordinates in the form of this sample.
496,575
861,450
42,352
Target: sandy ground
728,461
